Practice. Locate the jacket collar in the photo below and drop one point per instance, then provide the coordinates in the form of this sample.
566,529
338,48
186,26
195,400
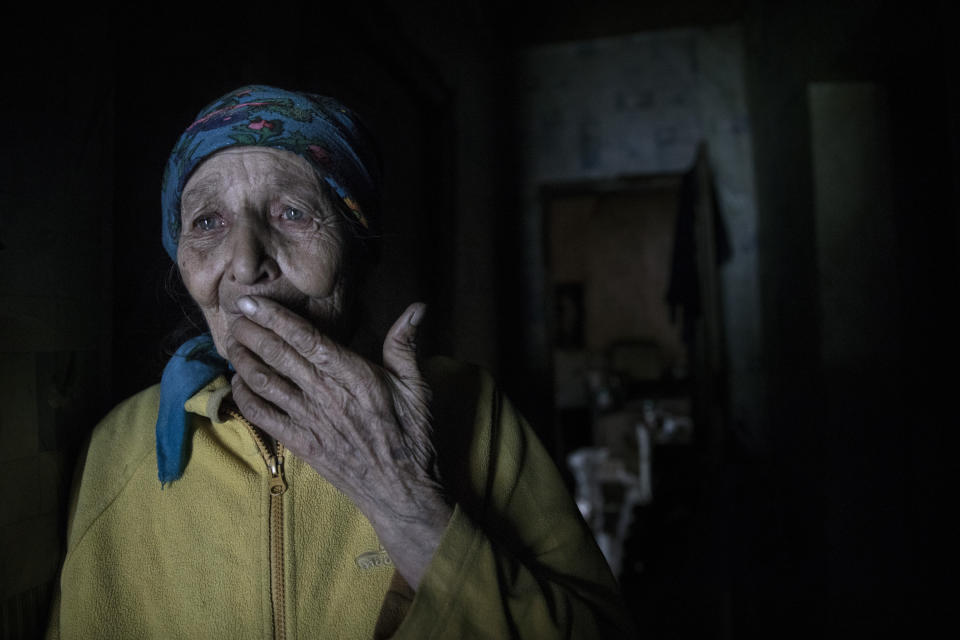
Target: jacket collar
207,401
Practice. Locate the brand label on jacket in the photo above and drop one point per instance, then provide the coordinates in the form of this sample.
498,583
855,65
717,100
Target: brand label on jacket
373,559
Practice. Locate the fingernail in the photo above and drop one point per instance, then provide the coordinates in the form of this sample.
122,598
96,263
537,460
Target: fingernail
247,305
417,316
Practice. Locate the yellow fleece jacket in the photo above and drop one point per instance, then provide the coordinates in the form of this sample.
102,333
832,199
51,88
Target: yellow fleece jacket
212,555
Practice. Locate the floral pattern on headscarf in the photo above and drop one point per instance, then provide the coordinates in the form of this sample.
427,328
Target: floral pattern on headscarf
317,128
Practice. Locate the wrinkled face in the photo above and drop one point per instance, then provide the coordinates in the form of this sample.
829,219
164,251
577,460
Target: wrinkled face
257,221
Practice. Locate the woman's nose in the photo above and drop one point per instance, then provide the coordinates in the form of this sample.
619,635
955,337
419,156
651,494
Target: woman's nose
252,261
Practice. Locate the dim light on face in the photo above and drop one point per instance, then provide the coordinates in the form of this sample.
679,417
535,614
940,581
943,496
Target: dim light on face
258,221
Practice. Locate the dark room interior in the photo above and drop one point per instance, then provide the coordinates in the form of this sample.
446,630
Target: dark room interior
706,249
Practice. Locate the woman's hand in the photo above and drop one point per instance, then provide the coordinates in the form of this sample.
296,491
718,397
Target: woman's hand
365,428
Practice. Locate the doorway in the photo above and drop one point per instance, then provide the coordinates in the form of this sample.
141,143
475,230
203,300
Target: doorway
637,367
616,341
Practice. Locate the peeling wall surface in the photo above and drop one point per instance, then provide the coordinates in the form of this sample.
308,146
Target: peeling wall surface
634,105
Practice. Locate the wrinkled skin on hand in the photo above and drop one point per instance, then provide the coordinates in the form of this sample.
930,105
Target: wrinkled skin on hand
365,428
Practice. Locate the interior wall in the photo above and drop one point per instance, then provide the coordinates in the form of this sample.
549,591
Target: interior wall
619,247
860,325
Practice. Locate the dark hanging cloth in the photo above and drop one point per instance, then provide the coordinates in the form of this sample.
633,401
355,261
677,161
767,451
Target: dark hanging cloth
683,294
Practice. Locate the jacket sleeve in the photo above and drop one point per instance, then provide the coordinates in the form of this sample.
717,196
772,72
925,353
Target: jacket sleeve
516,560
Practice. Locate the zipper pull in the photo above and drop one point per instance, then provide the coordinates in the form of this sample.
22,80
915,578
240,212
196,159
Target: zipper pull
278,484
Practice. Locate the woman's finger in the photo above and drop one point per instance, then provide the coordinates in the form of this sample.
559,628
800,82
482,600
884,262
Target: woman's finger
264,381
298,332
261,413
400,345
274,351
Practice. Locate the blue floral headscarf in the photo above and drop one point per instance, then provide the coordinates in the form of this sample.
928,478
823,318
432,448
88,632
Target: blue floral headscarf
317,128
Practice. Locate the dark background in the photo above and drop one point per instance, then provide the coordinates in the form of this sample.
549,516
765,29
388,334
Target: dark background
836,525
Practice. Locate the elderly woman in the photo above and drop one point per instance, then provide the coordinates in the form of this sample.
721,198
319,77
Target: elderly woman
305,491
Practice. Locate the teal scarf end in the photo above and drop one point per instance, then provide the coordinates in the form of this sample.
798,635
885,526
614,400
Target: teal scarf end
194,365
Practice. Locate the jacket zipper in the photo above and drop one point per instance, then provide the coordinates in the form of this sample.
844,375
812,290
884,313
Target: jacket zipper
277,487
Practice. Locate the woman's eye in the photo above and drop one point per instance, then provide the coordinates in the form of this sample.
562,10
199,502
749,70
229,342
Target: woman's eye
292,214
207,223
